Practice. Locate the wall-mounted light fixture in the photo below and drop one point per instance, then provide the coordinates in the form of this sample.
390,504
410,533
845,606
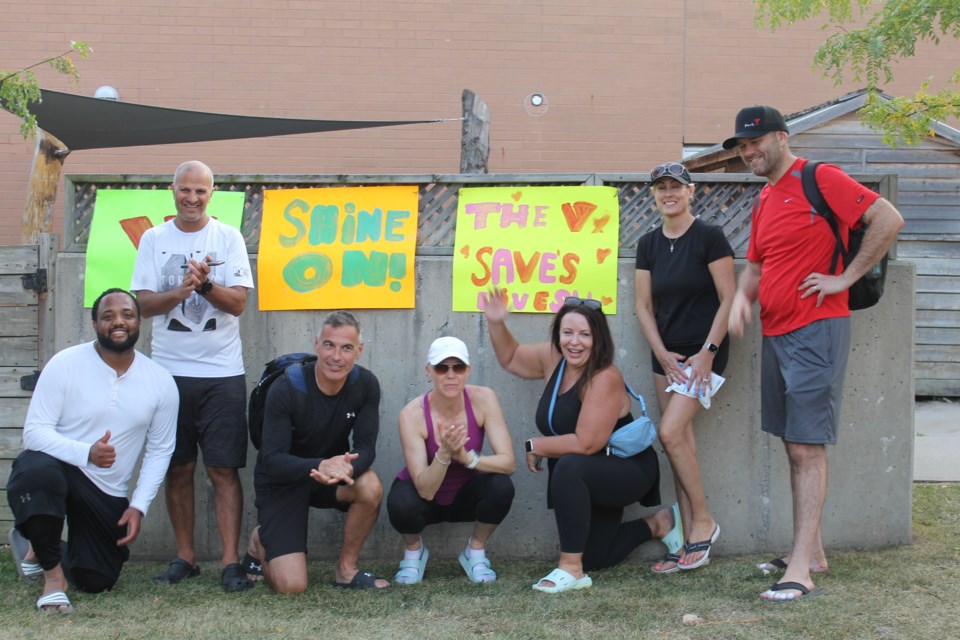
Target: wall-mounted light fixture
106,92
536,104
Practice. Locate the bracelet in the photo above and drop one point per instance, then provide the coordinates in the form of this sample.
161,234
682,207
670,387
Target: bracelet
474,461
438,459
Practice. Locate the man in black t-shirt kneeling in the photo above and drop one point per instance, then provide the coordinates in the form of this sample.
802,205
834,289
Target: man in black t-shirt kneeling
306,461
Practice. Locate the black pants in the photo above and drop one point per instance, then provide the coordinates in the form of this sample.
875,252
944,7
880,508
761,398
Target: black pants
485,498
589,493
43,492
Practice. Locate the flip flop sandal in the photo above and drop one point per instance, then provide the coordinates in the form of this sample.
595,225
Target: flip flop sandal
562,581
362,580
775,596
411,571
477,569
697,547
674,558
177,571
19,546
777,564
674,538
54,600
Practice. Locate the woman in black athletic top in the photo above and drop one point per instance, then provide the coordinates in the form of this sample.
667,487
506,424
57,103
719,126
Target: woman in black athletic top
685,287
587,489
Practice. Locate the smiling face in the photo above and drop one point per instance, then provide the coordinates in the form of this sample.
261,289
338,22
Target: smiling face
192,190
576,339
765,155
672,197
337,349
118,323
449,377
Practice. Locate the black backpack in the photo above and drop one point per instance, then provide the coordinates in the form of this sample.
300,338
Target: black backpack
866,291
274,369
258,397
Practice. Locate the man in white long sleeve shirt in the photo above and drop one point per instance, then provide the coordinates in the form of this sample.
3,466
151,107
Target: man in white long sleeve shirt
96,407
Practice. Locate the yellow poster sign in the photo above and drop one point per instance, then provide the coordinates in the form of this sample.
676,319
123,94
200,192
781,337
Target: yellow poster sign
338,248
539,244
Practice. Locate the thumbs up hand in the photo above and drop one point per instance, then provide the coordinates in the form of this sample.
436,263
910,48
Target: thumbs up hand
102,453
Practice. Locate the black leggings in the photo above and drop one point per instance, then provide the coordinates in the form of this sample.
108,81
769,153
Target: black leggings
589,494
485,498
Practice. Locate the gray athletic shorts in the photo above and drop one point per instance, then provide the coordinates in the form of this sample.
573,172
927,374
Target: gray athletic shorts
802,381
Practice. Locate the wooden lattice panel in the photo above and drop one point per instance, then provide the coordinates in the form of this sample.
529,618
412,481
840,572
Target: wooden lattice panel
725,202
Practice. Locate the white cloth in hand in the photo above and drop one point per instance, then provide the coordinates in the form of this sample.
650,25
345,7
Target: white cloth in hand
690,389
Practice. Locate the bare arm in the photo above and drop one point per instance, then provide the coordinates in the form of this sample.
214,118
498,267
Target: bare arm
748,290
427,477
153,303
605,401
230,300
883,224
489,414
523,360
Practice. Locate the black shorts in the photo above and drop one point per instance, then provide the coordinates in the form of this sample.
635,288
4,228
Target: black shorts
687,350
213,417
42,485
283,513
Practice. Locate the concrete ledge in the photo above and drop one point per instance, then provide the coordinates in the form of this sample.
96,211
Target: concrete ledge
744,470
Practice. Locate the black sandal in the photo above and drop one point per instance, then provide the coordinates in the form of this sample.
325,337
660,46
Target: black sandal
234,579
177,571
252,567
362,580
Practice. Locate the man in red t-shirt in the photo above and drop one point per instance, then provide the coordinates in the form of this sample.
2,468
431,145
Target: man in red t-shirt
804,317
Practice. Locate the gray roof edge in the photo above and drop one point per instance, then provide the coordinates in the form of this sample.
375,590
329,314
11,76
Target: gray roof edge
816,116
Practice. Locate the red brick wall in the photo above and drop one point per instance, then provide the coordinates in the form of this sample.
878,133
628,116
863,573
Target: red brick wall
628,81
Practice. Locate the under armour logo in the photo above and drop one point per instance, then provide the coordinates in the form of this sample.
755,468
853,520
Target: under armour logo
25,498
351,414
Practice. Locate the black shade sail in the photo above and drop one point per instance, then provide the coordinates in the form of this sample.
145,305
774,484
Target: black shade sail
93,123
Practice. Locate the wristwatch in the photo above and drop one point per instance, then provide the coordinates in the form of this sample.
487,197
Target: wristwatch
712,348
528,445
205,288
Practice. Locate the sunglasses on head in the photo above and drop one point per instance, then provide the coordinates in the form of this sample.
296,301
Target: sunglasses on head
670,169
441,369
581,302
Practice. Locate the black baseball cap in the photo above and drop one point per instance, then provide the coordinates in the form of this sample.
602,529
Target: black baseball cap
753,122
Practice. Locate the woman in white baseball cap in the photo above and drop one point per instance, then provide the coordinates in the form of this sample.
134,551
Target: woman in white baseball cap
446,479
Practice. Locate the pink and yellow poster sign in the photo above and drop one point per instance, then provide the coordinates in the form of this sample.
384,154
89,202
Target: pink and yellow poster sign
539,244
338,248
121,217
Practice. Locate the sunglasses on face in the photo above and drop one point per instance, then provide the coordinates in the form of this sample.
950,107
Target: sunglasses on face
670,169
581,302
441,369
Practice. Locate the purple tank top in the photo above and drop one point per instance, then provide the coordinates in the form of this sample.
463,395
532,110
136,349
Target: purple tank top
457,474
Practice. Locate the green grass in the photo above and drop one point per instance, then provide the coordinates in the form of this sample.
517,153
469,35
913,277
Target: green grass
909,592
